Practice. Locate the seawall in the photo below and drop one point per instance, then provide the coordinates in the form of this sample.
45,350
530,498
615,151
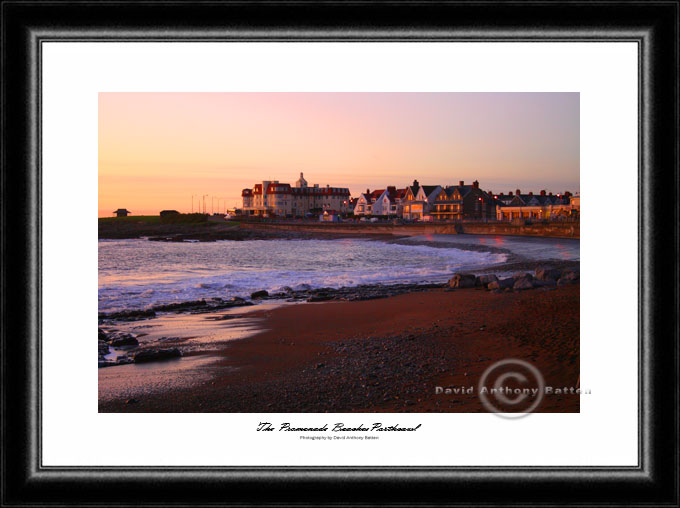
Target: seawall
551,230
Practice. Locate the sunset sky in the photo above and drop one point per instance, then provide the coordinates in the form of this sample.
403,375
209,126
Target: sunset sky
156,150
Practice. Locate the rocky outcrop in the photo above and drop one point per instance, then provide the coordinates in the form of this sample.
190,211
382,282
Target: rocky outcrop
463,280
128,315
320,298
174,307
259,294
103,349
123,339
502,284
154,355
569,277
486,279
545,277
523,283
547,273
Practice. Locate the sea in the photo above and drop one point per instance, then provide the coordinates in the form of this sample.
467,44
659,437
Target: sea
138,273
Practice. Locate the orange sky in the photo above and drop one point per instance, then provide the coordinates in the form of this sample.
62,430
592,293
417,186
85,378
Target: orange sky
156,150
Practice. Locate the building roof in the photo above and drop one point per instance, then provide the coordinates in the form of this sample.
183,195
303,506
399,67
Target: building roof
464,189
524,199
448,193
285,188
393,193
278,188
429,189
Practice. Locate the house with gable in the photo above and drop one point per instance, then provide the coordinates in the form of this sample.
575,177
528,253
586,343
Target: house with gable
418,200
388,203
458,202
363,205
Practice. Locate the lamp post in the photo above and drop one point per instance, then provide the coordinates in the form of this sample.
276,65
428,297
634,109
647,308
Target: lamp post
204,196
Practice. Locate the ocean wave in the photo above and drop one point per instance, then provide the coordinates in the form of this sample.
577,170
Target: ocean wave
136,275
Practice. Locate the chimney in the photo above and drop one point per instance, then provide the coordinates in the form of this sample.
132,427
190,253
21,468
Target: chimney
415,183
475,184
531,193
543,193
368,191
501,194
518,192
549,193
461,183
510,193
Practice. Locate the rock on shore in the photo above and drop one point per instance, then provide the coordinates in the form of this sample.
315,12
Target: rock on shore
154,355
192,306
543,276
128,349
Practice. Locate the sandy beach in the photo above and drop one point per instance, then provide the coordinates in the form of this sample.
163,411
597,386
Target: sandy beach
382,355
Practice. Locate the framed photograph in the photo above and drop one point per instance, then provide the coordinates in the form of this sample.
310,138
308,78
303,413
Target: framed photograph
336,256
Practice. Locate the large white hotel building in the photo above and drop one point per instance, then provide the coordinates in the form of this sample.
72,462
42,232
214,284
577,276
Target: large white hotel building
272,198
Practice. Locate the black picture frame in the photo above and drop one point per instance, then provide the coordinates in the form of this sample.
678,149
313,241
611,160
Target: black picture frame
653,25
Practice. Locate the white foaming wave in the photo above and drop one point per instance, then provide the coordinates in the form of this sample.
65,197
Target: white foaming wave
242,284
327,266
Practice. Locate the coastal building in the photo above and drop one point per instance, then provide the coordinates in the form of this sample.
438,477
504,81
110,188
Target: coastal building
389,202
273,198
541,206
418,200
504,199
121,212
458,202
363,205
575,202
447,206
400,196
386,202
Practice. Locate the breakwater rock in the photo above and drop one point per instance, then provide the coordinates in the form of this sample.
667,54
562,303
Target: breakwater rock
542,277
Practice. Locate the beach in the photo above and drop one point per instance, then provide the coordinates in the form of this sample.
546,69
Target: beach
363,324
379,355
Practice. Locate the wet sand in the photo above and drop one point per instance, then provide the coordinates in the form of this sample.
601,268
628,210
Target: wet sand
385,355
